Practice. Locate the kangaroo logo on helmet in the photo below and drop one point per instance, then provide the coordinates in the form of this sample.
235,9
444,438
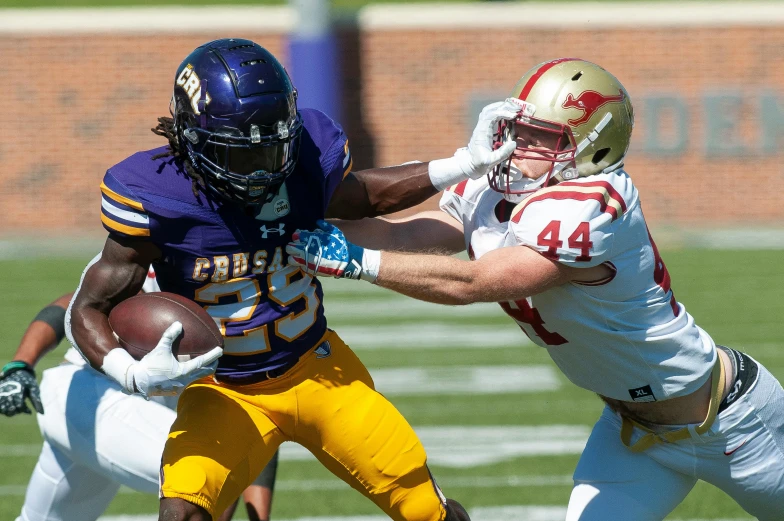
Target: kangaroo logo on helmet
589,102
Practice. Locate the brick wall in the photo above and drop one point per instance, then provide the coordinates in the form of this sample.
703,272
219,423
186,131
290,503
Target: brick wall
73,107
706,143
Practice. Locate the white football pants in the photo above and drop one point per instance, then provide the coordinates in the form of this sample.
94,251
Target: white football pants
742,454
96,438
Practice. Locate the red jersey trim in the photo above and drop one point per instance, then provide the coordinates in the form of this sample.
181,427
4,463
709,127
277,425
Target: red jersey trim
459,188
610,201
601,282
603,184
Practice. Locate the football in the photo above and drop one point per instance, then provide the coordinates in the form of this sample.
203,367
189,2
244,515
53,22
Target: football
139,322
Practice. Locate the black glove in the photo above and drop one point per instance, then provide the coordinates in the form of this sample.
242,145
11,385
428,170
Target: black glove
17,383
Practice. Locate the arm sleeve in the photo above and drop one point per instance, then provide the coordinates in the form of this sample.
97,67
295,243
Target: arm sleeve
573,225
122,211
337,163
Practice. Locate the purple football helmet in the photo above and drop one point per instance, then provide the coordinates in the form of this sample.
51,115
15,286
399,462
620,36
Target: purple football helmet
235,115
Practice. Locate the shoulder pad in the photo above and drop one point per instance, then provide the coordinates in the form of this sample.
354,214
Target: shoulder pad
122,211
574,221
458,200
323,130
325,152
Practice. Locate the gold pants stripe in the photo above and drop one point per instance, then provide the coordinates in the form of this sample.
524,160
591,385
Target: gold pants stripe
224,436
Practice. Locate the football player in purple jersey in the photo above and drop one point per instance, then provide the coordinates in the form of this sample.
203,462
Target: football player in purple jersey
212,212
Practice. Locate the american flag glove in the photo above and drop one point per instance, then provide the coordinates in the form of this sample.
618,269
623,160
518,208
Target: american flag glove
325,251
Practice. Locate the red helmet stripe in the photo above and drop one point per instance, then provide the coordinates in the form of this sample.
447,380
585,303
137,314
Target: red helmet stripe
538,74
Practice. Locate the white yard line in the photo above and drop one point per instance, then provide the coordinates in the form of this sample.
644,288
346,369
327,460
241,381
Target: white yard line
467,482
465,380
513,481
13,451
431,335
371,306
474,446
454,446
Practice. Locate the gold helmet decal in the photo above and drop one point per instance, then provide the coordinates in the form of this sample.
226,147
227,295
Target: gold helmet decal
589,101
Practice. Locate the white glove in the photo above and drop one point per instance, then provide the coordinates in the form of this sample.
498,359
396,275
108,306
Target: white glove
159,373
478,158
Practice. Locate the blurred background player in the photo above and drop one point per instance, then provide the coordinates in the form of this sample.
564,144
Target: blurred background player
96,437
557,237
213,212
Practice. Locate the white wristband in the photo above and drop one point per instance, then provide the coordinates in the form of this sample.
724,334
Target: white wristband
117,364
445,172
371,262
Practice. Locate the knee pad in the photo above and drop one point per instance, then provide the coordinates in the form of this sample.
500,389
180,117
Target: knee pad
455,511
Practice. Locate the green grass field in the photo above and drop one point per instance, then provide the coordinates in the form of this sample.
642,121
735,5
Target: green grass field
733,294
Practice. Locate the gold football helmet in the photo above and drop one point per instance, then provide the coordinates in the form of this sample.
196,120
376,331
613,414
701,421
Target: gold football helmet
585,109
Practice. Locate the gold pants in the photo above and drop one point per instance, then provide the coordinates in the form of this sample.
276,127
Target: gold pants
224,436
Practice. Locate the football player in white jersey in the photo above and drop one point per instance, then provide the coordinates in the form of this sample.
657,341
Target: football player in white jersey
556,235
96,438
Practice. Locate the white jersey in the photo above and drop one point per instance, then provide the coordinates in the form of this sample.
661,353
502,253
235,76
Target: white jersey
625,337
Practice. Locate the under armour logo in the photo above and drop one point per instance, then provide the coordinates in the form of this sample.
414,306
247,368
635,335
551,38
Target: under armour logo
265,230
324,350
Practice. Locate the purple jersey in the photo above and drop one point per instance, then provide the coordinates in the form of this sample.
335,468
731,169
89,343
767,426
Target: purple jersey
232,263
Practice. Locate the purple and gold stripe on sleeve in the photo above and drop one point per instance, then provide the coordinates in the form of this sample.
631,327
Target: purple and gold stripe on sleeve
122,215
348,161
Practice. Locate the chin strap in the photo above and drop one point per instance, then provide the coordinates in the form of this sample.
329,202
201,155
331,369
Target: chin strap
517,181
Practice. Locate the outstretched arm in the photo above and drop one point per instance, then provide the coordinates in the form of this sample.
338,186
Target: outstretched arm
17,378
44,333
432,231
380,191
504,274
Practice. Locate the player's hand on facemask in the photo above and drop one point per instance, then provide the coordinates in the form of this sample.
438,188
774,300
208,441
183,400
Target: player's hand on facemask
480,156
159,373
17,384
326,251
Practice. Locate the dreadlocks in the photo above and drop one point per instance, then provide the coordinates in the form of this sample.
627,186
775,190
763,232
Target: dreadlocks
165,128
